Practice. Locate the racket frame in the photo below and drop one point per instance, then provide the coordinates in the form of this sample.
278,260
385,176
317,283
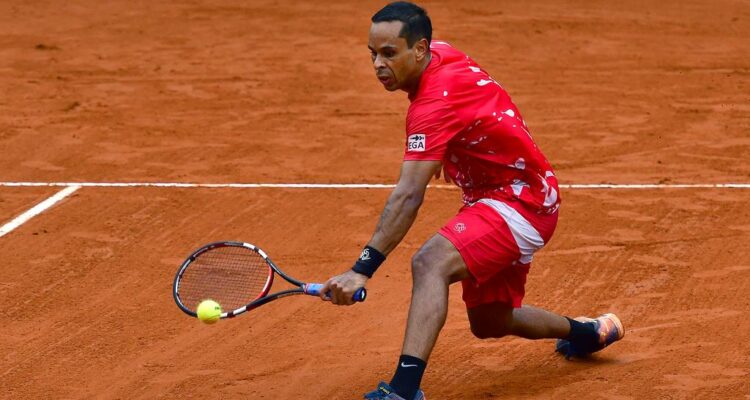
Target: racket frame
262,298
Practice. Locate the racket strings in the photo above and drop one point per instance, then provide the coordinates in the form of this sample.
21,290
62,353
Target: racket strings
232,276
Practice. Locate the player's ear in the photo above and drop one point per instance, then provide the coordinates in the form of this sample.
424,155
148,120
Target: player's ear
421,48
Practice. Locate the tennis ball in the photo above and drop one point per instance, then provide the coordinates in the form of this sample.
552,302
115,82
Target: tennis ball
208,311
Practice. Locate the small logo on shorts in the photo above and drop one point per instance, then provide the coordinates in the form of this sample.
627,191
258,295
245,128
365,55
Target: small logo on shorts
459,227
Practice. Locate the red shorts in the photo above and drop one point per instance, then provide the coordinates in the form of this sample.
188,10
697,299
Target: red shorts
497,240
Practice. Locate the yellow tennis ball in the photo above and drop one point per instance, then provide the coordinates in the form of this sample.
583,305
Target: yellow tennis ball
208,311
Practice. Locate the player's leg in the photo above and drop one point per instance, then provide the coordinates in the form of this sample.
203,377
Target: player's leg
495,320
535,323
499,260
494,308
434,267
577,337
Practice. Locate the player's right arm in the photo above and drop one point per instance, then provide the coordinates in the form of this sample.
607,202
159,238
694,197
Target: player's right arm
402,206
397,217
431,123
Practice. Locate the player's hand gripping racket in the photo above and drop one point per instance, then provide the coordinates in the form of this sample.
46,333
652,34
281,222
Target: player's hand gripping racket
236,275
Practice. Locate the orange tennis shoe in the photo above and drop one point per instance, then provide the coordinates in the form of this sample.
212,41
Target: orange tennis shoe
608,327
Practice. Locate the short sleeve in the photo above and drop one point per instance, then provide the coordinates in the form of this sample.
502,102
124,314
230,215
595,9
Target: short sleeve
430,125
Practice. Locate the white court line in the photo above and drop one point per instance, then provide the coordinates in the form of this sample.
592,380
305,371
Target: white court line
37,209
365,185
658,186
70,187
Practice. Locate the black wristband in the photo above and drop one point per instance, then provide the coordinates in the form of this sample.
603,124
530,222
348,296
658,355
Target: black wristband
368,261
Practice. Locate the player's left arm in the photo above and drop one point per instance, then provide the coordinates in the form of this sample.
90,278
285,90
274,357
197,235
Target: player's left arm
397,217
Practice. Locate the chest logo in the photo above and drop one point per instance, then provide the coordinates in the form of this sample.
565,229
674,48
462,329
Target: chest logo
416,142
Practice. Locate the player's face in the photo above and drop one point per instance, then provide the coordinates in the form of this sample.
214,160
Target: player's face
396,65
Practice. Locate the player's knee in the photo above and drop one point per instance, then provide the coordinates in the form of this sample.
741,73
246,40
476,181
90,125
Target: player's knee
421,265
492,320
438,260
427,265
488,332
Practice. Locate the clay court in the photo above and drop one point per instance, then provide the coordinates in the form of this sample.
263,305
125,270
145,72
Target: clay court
614,92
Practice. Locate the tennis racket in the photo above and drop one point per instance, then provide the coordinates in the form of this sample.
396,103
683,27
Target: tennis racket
236,275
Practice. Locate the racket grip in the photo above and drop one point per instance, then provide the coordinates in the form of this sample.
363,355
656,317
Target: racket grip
313,289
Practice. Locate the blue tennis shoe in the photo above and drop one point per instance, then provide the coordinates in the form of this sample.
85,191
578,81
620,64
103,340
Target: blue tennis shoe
385,392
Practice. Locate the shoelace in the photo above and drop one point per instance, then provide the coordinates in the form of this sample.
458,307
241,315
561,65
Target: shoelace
381,393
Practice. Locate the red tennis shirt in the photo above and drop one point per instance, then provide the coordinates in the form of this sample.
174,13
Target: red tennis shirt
464,118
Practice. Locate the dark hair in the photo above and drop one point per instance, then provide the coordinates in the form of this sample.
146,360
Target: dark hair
417,24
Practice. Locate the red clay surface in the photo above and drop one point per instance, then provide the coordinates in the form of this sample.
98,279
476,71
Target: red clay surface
623,92
14,201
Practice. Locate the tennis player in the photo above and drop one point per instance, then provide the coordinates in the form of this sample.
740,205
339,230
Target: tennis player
462,123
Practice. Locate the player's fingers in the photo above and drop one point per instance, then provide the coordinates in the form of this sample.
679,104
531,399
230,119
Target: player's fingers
324,290
335,293
349,298
347,295
341,299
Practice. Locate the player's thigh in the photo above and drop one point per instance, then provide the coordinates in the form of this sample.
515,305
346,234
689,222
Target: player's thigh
491,254
439,257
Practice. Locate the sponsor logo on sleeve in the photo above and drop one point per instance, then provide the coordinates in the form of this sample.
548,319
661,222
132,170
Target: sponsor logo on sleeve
416,142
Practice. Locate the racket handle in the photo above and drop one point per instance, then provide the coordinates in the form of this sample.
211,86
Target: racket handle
313,289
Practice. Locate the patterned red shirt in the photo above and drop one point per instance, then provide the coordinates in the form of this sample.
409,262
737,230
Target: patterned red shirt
464,118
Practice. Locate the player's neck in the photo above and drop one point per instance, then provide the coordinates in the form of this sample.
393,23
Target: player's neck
412,89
